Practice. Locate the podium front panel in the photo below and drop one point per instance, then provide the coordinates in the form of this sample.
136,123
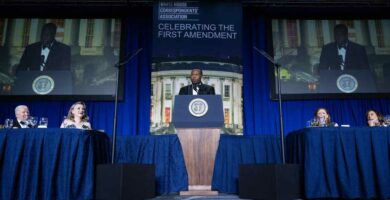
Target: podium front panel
183,118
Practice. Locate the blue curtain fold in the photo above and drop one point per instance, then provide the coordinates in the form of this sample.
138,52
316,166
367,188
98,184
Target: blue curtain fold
164,152
50,163
261,113
134,111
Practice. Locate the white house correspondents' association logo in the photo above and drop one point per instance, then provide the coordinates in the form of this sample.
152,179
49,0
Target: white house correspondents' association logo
347,83
198,107
43,84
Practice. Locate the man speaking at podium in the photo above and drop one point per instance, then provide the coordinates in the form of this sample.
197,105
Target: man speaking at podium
343,54
47,54
197,87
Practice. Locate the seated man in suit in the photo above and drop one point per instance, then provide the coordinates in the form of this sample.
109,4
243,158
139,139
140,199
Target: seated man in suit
21,114
47,54
343,54
197,87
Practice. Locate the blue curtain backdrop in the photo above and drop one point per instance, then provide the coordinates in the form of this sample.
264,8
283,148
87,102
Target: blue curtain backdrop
260,113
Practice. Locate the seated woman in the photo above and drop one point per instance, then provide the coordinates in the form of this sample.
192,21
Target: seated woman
77,117
322,119
374,118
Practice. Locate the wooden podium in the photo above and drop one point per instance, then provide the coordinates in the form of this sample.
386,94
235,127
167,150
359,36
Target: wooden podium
199,138
199,149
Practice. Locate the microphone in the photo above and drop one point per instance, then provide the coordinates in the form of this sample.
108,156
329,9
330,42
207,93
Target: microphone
266,55
341,62
196,89
43,64
195,86
128,57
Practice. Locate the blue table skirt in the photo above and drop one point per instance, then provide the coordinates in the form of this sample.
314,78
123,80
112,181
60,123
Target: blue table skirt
343,162
164,152
50,163
236,150
60,163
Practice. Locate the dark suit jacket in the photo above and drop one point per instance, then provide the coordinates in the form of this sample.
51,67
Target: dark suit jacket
355,58
58,58
16,124
203,90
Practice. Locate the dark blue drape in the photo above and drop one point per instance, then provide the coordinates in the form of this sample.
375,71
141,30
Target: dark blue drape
261,114
343,162
50,163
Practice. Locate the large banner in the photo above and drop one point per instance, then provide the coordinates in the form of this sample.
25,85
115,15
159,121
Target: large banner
194,34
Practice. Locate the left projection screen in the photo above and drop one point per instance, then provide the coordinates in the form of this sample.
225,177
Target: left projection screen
71,58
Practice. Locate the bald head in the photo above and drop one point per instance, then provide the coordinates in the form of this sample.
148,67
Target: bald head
22,112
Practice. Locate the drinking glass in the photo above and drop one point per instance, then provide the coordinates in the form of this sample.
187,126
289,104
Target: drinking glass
308,123
311,123
63,123
43,122
387,120
8,123
32,121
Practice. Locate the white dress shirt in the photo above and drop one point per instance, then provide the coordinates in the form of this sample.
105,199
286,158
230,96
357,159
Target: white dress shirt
23,124
342,51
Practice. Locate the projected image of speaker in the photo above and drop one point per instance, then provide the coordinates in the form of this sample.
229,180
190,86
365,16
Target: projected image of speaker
125,181
270,181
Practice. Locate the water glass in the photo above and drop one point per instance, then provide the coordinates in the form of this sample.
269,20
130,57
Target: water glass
43,122
387,120
8,123
63,123
33,121
308,123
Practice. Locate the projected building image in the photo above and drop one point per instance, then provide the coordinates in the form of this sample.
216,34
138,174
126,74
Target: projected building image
226,78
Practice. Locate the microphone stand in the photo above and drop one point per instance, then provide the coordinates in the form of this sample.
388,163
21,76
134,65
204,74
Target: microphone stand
127,59
277,66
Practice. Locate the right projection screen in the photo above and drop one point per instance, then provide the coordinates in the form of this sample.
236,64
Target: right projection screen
321,58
